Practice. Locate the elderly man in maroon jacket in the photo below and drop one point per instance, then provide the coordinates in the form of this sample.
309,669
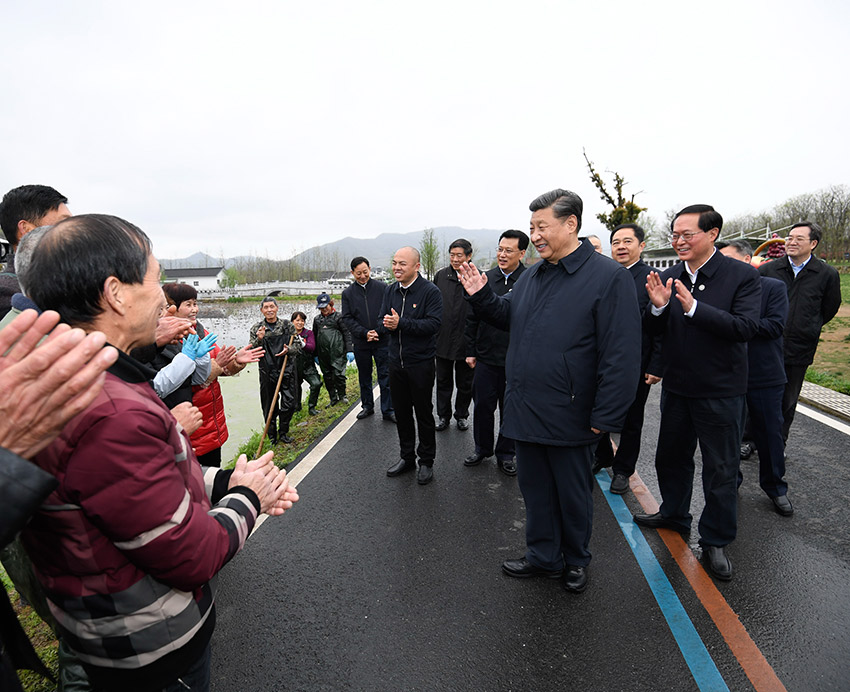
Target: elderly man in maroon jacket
128,544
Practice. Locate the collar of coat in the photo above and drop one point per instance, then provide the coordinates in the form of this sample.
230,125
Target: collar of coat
130,370
572,262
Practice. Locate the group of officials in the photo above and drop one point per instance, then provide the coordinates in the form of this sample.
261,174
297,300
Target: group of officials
569,348
127,531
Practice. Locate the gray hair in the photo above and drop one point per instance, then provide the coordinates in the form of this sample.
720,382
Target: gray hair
742,247
267,299
23,255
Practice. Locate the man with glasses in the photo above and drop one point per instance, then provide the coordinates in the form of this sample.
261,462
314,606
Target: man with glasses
627,244
705,308
814,295
486,347
451,347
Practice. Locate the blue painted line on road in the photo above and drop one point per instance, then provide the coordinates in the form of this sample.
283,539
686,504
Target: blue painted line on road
702,666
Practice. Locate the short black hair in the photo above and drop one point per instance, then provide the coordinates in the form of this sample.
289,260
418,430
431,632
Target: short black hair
356,262
815,231
463,244
27,203
267,299
297,314
639,232
564,203
77,256
179,293
708,217
521,238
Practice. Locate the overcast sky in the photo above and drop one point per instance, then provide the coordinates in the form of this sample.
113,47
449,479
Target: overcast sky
269,127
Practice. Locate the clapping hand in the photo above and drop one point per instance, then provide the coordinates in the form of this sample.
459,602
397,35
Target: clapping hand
471,279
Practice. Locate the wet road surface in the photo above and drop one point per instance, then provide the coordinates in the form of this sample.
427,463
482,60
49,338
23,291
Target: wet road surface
376,583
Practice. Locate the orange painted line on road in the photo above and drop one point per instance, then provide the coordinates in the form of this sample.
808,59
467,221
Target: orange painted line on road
753,662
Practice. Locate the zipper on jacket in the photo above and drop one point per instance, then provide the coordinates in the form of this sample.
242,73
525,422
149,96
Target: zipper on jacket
403,302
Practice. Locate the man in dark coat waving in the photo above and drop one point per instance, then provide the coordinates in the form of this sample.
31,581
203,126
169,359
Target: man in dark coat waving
572,367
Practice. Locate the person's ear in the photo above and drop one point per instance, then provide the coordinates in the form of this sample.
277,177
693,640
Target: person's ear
114,295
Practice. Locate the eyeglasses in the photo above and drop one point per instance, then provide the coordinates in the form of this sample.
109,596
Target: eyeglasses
798,239
506,251
687,235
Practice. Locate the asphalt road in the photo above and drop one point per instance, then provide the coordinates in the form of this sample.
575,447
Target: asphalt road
373,583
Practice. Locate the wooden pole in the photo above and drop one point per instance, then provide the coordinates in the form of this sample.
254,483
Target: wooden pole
274,399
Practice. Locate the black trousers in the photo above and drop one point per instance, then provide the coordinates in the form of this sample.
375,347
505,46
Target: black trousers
488,392
463,378
412,387
363,357
795,374
558,491
283,405
625,460
716,425
765,430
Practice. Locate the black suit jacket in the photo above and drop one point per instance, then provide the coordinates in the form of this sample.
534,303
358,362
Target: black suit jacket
706,355
767,368
650,344
813,299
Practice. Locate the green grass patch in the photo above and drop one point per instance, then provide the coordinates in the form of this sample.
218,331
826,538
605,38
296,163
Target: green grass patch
845,287
828,380
306,429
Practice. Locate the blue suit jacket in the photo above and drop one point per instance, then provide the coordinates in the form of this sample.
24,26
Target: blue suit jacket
767,362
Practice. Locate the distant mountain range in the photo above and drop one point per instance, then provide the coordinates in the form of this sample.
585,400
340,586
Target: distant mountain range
378,250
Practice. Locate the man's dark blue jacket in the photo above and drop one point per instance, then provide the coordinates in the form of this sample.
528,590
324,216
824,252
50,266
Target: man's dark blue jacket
764,352
361,312
420,311
574,355
705,356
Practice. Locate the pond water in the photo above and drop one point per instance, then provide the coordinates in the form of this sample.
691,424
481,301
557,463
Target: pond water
232,322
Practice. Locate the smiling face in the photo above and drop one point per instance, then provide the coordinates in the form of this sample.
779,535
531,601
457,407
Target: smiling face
696,250
405,266
508,254
298,323
361,273
799,245
143,303
188,309
457,256
625,247
553,238
269,311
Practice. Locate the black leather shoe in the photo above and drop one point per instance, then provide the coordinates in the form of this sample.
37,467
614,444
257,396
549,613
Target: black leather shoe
475,459
286,439
575,578
747,449
334,402
619,484
425,475
365,413
718,563
442,424
400,467
507,466
390,417
656,521
463,424
522,569
783,505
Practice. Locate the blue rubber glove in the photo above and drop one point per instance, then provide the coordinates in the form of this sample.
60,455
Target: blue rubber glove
190,346
206,344
350,356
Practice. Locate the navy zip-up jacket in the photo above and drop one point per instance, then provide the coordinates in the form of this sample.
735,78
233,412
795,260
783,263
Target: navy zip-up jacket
573,359
420,311
361,311
764,352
